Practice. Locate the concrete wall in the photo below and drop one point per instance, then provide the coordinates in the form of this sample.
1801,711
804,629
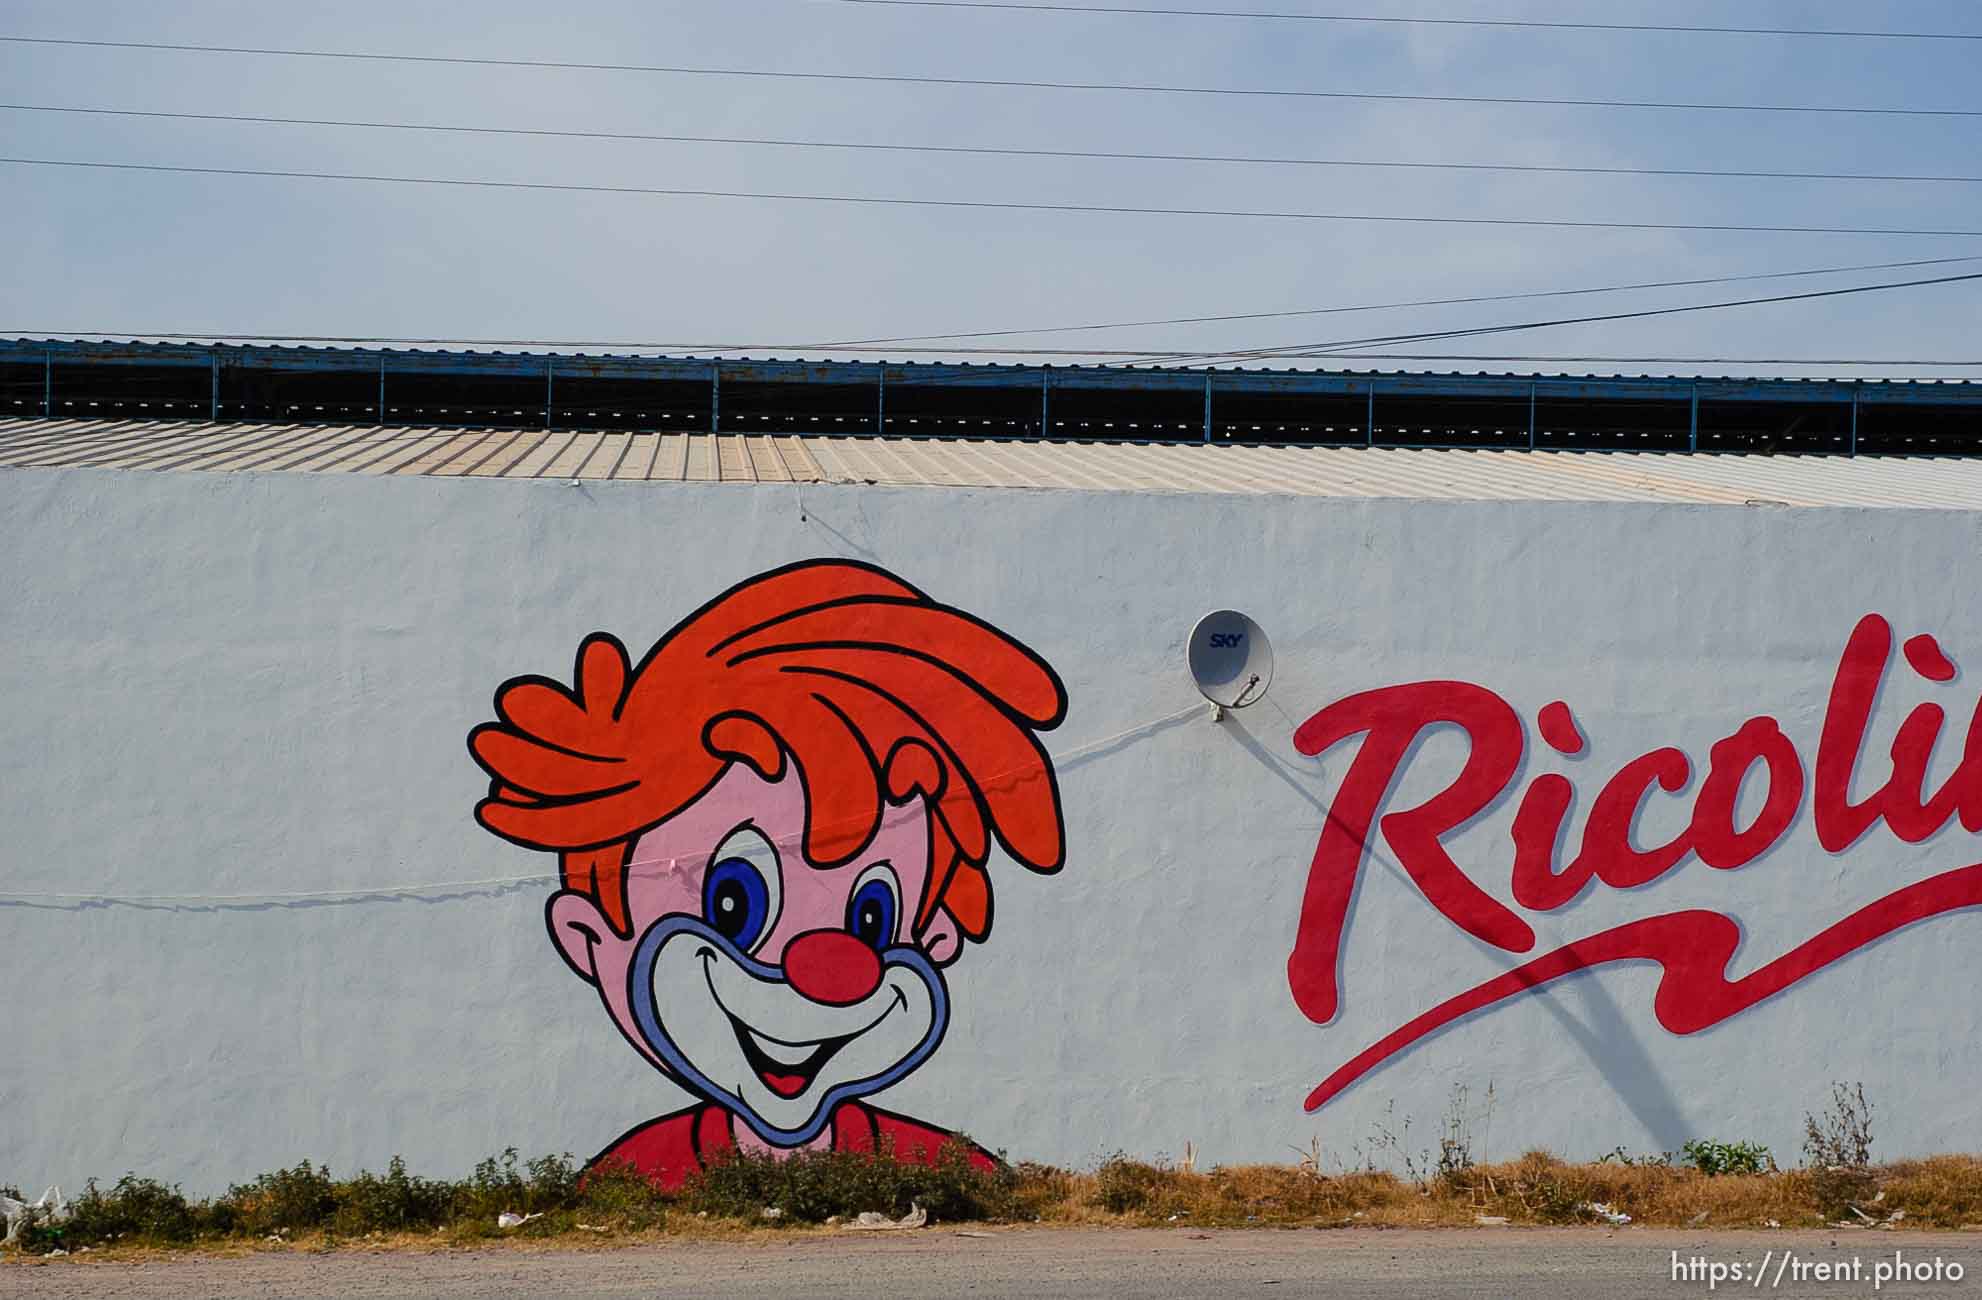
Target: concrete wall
253,684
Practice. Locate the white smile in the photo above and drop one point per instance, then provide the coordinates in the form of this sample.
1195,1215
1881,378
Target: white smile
782,1053
750,1036
804,1058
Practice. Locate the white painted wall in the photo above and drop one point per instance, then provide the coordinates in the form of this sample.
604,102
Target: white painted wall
244,683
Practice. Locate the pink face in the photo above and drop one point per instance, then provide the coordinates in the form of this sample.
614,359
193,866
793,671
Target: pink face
753,976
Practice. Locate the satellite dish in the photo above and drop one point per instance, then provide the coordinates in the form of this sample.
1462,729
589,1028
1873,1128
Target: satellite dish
1231,660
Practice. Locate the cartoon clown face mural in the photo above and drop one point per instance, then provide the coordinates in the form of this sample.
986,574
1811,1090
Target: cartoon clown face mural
773,833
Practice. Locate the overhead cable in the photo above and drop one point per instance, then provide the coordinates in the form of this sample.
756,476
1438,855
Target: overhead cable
1419,302
1392,20
848,345
989,82
1338,346
993,204
996,151
642,867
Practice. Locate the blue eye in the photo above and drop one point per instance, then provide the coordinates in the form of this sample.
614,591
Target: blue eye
736,902
875,909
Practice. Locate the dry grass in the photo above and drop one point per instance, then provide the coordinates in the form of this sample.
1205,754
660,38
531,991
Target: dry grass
1942,1192
1136,1191
613,1236
1539,1188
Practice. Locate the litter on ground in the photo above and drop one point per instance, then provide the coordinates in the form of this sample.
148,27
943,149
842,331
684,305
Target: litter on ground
875,1221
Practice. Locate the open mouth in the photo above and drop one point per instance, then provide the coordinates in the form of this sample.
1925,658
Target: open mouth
787,1069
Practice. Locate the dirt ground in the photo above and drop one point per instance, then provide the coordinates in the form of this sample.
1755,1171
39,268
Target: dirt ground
1105,1263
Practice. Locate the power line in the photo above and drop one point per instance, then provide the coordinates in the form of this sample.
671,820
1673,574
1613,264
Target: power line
1140,11
999,83
994,204
647,867
1337,347
1343,347
1419,302
990,151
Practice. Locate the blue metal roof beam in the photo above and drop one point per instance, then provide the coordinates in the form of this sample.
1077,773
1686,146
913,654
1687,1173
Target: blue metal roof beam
76,378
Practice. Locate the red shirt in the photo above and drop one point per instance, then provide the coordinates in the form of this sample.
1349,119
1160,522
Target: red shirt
667,1150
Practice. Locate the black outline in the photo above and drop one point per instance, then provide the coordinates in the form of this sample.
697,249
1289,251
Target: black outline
741,715
550,924
915,593
904,652
777,864
970,783
940,1030
631,673
894,877
881,800
637,670
824,1049
995,833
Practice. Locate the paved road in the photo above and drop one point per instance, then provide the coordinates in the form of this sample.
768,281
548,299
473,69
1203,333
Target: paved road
1106,1264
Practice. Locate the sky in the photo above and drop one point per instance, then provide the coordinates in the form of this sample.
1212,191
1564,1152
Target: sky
130,254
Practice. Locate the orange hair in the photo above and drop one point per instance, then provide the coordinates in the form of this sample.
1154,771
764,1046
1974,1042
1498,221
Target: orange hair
872,690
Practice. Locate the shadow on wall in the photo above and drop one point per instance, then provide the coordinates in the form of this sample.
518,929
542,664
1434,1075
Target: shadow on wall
1606,1036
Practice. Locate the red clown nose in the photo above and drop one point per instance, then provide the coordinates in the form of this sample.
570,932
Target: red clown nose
832,966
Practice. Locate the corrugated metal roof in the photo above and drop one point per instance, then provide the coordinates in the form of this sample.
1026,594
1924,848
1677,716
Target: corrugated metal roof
1442,474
